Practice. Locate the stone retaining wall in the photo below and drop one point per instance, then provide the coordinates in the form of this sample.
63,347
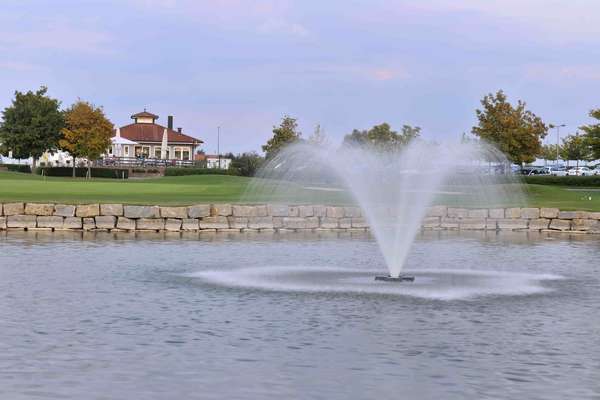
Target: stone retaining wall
232,218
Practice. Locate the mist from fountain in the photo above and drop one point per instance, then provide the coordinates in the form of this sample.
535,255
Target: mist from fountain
394,188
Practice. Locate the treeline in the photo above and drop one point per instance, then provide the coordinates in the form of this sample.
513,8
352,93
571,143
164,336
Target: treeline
34,123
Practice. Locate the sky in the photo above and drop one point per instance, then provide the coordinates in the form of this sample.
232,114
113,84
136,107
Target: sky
343,64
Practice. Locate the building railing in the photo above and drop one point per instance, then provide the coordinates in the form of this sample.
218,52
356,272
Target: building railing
147,162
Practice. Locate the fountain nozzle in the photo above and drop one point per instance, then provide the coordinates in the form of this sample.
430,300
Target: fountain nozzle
401,278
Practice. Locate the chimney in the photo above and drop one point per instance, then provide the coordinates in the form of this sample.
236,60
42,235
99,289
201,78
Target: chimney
179,130
170,122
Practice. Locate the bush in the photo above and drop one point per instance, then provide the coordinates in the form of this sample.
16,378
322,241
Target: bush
196,171
113,173
18,168
585,181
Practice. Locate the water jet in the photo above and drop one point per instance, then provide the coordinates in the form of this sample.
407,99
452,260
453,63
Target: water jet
401,278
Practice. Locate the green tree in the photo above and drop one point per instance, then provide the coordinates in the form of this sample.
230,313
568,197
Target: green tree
284,134
592,135
246,164
87,132
31,125
515,131
548,152
575,147
383,137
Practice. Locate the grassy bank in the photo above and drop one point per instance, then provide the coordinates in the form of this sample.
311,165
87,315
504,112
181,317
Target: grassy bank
214,189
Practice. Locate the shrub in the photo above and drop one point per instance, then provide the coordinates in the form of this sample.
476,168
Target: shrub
113,173
196,171
585,181
18,168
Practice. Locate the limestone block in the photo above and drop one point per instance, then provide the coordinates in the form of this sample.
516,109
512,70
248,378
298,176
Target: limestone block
126,223
72,223
278,222
218,222
141,211
572,214
560,224
13,209
457,212
329,223
198,211
335,212
478,213
293,211
244,211
2,222
238,222
321,211
89,223
39,209
530,213
115,210
21,221
174,224
472,224
496,213
491,224
64,210
278,210
511,213
190,224
155,224
345,223
431,222
222,210
300,223
1,209
539,224
359,222
306,211
261,210
106,221
449,223
549,212
312,222
588,225
512,223
352,212
260,222
87,210
174,212
594,215
44,221
437,211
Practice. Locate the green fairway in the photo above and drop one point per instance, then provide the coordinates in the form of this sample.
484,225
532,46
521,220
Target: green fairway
219,189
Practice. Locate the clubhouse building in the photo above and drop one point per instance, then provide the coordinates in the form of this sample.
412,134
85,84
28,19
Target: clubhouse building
144,138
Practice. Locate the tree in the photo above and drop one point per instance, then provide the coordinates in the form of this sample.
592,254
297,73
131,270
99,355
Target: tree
246,164
31,125
515,131
592,135
575,148
548,152
383,137
87,132
284,134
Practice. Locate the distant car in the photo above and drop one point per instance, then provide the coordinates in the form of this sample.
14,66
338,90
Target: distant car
557,171
580,171
533,171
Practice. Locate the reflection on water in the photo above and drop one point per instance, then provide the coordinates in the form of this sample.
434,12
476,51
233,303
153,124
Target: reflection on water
214,316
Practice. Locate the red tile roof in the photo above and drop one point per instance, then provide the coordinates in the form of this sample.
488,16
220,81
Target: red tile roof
154,133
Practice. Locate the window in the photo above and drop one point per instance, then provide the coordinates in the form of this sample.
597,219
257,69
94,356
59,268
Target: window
142,151
126,149
157,152
177,153
186,154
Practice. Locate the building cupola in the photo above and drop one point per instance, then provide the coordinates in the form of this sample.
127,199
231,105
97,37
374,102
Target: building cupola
144,117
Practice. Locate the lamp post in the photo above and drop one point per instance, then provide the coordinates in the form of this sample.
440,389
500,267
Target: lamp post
219,145
551,126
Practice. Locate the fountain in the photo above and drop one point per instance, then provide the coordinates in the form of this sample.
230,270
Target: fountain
394,188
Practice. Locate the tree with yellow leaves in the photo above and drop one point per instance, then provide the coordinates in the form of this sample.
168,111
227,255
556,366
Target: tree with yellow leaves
87,132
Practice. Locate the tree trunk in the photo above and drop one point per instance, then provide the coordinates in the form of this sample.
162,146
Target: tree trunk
74,173
89,172
33,164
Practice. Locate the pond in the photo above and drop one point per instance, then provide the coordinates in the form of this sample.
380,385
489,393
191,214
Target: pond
298,315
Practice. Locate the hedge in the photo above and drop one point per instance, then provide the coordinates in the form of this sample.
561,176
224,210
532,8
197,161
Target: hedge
585,181
113,173
197,171
18,168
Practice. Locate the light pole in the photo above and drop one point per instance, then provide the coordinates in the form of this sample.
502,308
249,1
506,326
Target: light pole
551,126
219,145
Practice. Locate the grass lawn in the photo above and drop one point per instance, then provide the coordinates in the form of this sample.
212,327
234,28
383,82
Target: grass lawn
213,189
